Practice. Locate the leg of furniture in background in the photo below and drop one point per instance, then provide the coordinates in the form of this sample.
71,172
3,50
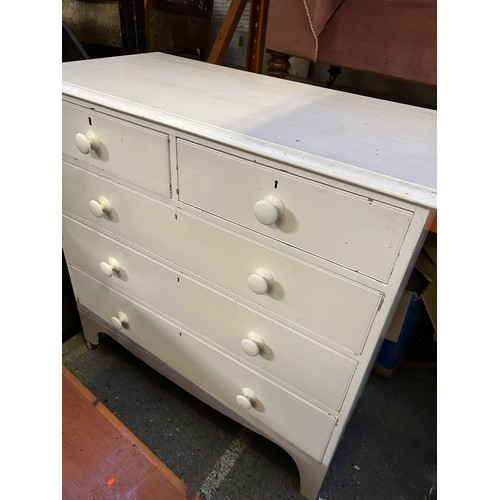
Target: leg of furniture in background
148,11
205,48
279,64
133,26
334,72
226,31
257,35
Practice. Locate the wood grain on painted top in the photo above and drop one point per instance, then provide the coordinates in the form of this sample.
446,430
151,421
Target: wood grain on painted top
378,144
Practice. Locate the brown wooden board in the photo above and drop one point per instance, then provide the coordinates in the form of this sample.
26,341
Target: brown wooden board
101,458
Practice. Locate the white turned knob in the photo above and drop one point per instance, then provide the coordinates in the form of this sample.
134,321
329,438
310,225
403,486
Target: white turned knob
247,399
119,321
109,267
261,281
86,142
269,210
253,344
100,206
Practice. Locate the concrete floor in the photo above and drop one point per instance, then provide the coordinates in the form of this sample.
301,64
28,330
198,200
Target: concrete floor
388,450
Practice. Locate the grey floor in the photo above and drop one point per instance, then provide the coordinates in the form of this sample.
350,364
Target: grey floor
388,450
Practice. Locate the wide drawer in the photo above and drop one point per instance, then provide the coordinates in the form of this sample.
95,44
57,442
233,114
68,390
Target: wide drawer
126,150
275,409
357,232
318,372
328,305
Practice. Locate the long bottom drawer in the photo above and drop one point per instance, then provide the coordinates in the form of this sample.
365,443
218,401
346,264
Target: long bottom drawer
258,400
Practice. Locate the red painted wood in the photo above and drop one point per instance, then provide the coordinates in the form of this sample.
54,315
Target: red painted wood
101,458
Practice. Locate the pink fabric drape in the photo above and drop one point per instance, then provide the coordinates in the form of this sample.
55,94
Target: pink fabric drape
319,12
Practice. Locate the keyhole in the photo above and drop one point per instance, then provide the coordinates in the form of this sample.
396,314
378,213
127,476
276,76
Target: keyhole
90,121
275,184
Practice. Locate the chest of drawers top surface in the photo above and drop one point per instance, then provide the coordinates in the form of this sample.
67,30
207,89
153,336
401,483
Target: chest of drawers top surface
380,145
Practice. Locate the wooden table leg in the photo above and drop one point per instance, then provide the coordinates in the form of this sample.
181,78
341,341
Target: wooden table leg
279,64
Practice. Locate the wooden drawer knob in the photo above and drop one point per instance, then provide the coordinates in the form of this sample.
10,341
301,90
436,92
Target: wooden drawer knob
253,344
100,206
86,142
247,399
110,267
120,321
269,210
260,281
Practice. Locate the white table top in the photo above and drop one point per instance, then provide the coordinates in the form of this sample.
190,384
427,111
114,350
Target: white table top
382,145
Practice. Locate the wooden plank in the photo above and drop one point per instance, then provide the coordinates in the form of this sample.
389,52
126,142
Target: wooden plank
101,457
226,31
257,35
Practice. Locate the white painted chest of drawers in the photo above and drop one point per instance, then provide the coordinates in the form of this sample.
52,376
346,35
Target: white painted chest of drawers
248,237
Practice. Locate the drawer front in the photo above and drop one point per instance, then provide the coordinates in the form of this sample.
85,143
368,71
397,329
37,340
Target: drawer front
276,409
333,307
125,150
285,354
353,231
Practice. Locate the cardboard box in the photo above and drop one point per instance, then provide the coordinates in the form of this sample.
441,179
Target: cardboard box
427,265
415,321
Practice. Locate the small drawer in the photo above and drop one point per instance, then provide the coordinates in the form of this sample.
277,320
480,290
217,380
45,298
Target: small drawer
123,149
268,345
258,400
337,309
357,232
